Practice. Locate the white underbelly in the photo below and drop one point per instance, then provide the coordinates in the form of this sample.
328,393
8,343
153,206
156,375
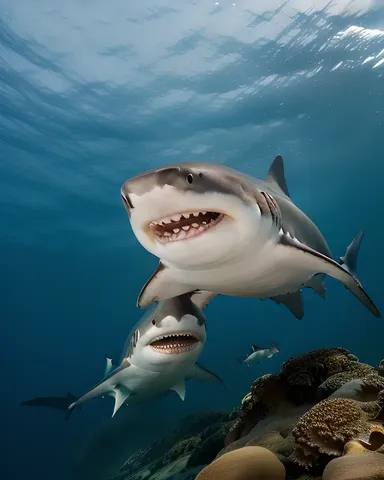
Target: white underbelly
277,271
147,384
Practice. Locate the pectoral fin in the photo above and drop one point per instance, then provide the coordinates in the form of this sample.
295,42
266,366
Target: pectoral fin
293,301
320,263
201,298
161,286
179,388
121,394
200,373
101,388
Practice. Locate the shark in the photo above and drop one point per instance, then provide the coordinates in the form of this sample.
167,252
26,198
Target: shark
57,403
218,231
257,353
160,354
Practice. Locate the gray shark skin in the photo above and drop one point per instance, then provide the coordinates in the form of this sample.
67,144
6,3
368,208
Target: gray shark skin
257,353
219,231
57,403
159,355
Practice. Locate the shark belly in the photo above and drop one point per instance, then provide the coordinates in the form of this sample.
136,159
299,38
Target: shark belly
144,383
276,270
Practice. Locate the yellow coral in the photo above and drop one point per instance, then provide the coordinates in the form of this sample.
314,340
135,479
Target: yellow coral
247,463
355,467
354,447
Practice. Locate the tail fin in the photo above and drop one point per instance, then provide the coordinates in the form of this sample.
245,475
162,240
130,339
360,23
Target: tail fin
340,271
349,263
274,348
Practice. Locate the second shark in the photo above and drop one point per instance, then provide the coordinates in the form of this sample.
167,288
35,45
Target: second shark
160,355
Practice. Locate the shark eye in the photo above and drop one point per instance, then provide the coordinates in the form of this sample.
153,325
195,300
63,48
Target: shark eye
189,178
153,321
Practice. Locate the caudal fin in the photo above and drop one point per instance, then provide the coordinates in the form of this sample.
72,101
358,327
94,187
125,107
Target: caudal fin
349,263
274,348
321,263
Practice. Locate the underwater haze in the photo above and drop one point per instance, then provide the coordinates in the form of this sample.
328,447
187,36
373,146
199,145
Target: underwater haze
93,93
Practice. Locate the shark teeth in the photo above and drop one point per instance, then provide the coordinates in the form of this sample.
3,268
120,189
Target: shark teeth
176,218
173,335
181,226
174,343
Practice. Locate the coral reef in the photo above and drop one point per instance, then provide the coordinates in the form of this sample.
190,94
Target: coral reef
248,463
302,380
356,467
193,444
321,417
334,382
329,425
381,368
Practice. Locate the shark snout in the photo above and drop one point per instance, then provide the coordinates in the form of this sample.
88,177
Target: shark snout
126,200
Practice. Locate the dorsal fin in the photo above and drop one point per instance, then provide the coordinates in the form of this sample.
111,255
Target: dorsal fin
255,348
276,175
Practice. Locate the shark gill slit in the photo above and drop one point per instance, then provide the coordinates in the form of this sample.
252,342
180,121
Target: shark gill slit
270,207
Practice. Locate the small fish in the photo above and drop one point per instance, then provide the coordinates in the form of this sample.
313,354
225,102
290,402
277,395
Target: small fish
159,355
257,353
57,403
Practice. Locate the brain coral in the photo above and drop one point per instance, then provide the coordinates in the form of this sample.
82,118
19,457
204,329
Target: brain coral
356,467
329,425
247,463
318,364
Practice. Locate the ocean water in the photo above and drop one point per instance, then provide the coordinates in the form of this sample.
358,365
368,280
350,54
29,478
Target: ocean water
92,93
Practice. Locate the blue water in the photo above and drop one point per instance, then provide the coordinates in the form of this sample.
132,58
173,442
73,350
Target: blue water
94,92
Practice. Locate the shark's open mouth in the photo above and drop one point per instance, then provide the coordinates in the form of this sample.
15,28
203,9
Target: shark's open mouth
181,226
175,343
